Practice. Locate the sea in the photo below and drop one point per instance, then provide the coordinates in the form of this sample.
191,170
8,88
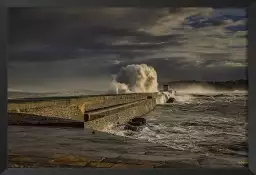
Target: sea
212,124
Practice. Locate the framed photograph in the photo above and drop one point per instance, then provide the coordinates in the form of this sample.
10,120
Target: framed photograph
127,87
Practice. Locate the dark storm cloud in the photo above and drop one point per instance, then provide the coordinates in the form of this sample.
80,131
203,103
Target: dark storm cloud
46,23
67,47
60,35
214,58
59,45
177,69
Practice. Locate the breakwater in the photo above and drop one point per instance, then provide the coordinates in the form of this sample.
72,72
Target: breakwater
95,111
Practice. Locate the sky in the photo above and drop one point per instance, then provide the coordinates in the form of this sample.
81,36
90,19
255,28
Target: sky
81,48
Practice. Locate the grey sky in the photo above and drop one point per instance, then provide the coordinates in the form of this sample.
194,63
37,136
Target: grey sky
65,49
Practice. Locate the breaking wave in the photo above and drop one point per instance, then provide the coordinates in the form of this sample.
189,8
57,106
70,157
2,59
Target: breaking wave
135,78
141,78
138,78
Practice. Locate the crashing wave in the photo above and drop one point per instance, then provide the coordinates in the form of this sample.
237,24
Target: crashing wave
138,78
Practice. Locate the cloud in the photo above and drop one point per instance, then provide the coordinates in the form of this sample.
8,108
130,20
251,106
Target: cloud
165,24
115,61
181,43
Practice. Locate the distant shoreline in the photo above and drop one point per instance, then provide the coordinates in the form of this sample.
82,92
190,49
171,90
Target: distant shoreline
218,85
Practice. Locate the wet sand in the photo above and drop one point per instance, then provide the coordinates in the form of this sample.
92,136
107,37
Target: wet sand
45,146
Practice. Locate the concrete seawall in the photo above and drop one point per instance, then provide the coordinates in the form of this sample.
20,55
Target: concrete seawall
121,115
96,111
70,107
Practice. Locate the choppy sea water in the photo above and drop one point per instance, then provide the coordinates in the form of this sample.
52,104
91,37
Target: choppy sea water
210,124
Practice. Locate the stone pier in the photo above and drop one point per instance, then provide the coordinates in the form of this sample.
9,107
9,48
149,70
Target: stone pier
94,111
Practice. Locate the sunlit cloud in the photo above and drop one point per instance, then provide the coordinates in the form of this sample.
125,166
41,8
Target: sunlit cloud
181,43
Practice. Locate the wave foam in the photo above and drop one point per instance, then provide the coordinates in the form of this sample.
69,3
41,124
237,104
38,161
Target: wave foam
141,78
136,78
163,97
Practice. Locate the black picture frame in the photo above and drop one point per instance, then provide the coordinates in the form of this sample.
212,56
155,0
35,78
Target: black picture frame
4,5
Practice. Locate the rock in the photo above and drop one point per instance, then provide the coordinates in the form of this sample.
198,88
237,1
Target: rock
132,128
170,100
140,120
246,165
135,123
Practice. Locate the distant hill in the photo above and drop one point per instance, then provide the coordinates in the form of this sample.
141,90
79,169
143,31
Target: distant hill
220,85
